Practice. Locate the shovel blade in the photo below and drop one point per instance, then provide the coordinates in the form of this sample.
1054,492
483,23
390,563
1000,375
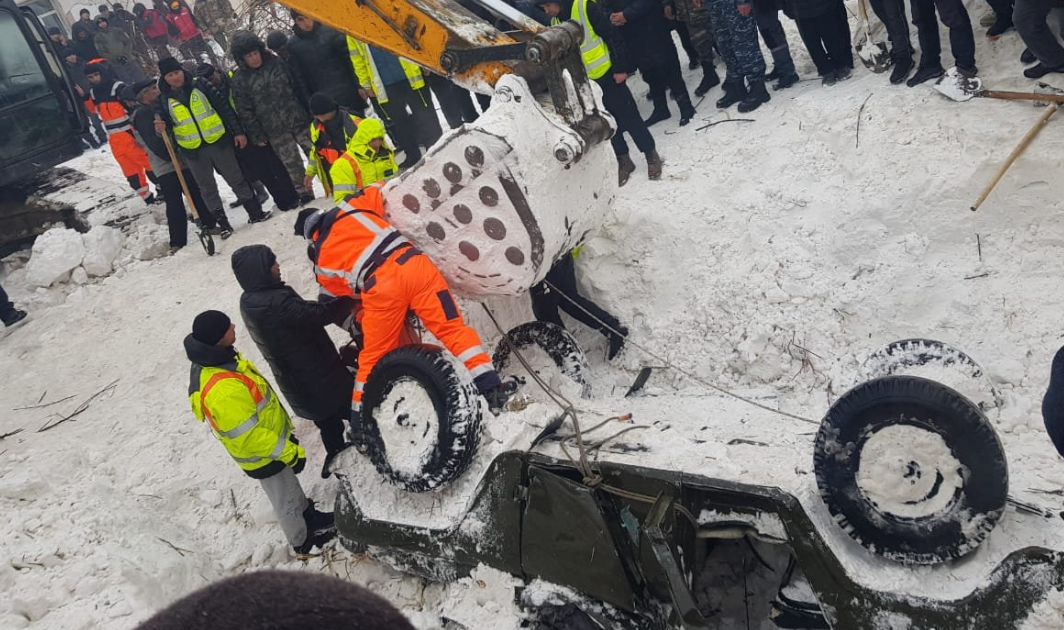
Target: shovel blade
957,87
874,56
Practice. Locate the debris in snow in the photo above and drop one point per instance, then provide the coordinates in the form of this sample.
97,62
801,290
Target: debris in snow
55,254
102,246
484,599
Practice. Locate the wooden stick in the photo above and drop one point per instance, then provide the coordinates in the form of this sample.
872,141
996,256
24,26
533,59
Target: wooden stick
1023,96
1050,110
180,173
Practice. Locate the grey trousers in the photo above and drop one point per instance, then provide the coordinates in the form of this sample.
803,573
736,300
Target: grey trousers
220,157
1031,20
288,500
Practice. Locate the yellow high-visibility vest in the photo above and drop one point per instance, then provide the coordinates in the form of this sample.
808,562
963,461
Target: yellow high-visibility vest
244,414
366,69
201,124
593,50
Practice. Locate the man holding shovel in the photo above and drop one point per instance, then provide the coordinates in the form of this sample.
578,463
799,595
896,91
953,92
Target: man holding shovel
145,95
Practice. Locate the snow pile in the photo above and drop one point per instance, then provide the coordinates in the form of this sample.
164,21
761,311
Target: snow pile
1047,614
147,242
102,246
55,254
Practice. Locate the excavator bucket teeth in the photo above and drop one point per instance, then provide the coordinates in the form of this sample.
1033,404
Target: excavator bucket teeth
496,202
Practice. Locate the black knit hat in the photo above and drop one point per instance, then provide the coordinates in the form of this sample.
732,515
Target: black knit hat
67,52
54,30
204,70
168,65
276,40
321,103
210,326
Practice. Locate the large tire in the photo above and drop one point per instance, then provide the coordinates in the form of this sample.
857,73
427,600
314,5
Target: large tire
911,470
416,404
559,345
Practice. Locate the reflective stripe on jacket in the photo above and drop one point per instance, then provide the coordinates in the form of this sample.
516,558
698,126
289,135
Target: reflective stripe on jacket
593,49
201,124
361,165
359,239
366,70
244,414
325,151
110,109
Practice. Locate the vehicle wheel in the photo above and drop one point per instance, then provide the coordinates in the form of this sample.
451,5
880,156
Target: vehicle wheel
938,361
911,469
559,345
421,419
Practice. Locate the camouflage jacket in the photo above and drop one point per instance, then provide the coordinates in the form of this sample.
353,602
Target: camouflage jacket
215,15
269,100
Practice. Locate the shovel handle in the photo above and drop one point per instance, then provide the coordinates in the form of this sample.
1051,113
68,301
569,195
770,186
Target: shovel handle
1023,96
180,173
1031,133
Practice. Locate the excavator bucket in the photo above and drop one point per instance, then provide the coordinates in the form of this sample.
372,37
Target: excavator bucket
496,202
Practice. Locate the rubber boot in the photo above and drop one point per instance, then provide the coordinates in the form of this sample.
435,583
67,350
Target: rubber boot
710,79
754,98
654,165
625,168
733,93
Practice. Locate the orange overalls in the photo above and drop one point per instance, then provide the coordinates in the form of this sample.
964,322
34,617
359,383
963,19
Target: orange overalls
104,102
358,252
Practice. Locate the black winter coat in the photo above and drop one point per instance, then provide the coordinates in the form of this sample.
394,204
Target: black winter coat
647,32
290,333
321,58
86,48
1053,403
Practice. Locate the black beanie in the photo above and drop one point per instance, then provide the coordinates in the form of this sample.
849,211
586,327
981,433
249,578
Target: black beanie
321,103
168,65
276,40
210,326
67,52
204,70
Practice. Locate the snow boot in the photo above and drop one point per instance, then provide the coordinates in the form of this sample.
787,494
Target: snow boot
625,168
733,93
903,65
710,79
772,76
757,96
925,74
785,81
653,165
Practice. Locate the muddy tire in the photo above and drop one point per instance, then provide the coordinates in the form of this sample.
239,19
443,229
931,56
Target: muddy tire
559,345
911,470
421,419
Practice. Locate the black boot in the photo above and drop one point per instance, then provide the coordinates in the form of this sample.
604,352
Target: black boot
924,74
903,65
1027,57
755,97
321,528
733,93
687,109
710,79
659,114
255,211
999,27
225,230
617,341
785,81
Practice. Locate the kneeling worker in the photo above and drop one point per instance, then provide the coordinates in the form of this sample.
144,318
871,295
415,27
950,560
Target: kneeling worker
357,252
227,391
368,160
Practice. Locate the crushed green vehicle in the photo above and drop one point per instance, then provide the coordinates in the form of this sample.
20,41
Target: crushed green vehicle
893,514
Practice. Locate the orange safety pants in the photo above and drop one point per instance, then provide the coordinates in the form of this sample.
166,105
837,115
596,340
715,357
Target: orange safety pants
132,159
413,284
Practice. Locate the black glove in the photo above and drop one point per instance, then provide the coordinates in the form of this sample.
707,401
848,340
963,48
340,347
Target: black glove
301,463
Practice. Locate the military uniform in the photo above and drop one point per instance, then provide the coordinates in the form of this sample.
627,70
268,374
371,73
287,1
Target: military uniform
737,43
216,17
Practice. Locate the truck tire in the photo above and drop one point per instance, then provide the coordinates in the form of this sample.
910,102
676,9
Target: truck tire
556,341
420,417
911,470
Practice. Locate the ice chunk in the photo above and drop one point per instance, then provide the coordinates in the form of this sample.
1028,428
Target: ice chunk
102,246
55,254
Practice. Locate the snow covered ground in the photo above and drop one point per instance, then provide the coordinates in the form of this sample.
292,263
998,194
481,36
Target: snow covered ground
773,256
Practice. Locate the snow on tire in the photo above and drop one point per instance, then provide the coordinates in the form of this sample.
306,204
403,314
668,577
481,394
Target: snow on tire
421,417
911,469
560,346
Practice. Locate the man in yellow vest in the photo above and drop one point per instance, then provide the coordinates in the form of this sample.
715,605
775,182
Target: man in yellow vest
609,63
398,92
331,132
228,393
205,128
368,160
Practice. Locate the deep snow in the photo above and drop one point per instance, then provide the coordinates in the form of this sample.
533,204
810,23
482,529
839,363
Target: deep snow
772,258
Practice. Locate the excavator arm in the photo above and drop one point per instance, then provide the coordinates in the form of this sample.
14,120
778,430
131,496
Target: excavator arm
497,201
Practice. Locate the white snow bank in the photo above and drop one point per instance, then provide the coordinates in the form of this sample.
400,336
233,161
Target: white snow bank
102,246
55,254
